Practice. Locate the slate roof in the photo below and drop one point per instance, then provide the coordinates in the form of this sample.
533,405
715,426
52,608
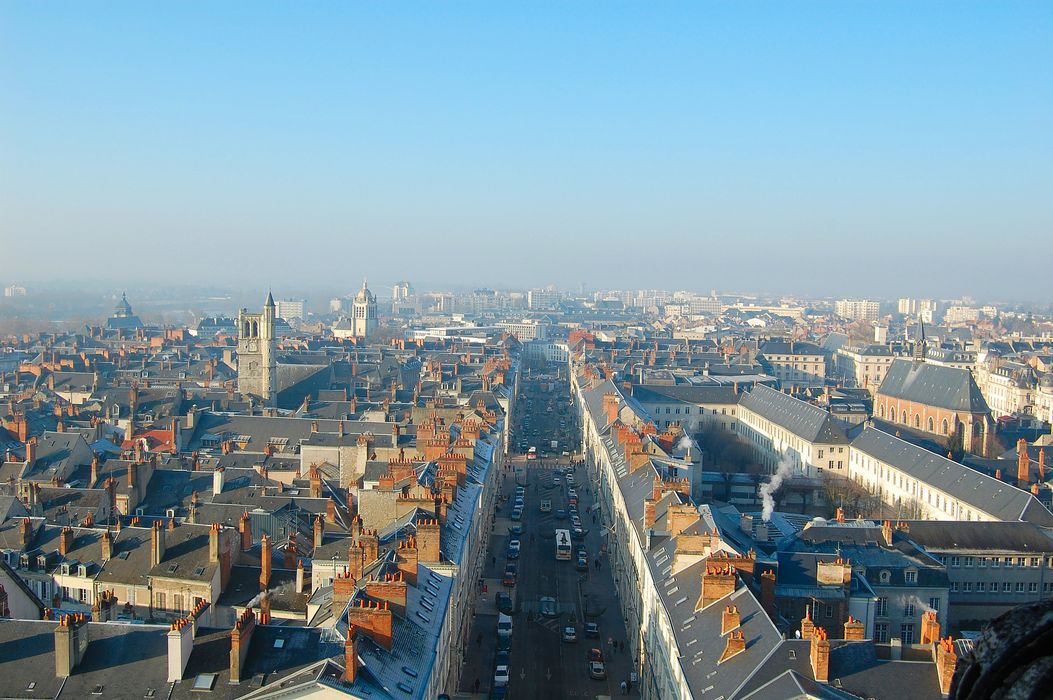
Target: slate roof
981,492
960,534
933,385
801,418
687,393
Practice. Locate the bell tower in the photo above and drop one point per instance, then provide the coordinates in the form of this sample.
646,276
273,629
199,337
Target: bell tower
257,353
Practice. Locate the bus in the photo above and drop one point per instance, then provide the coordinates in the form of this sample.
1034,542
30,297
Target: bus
562,545
532,453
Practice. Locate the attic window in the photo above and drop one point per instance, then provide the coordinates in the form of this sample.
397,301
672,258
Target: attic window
97,690
123,555
204,681
172,568
199,571
150,692
32,685
279,643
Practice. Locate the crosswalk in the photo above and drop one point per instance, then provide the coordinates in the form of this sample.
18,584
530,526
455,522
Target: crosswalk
552,625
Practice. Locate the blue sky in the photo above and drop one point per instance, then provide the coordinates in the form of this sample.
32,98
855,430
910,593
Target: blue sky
836,148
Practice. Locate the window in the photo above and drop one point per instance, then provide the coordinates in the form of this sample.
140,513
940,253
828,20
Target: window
908,610
956,561
967,587
1036,561
1007,587
954,586
995,562
881,632
906,633
934,604
160,601
911,576
1020,587
1008,561
1020,561
981,562
1032,587
969,562
882,607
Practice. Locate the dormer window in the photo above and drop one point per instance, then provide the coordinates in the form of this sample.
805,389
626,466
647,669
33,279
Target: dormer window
65,568
82,570
910,576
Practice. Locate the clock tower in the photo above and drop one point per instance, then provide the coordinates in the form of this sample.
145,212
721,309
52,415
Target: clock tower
257,356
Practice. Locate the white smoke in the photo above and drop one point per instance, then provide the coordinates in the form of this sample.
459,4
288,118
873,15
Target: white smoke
767,491
684,443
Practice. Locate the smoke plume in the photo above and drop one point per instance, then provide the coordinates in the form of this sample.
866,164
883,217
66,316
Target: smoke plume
767,491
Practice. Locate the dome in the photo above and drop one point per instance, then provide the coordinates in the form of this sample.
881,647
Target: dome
365,296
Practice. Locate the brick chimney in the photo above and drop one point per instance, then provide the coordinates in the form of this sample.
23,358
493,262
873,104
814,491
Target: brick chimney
729,619
717,582
290,555
854,629
370,546
65,541
1023,464
31,452
344,584
330,511
1042,464
299,576
886,532
265,562
820,655
351,656
681,516
106,542
807,625
25,533
240,638
392,588
649,514
840,517
610,406
356,560
316,482
245,528
930,628
157,544
946,662
319,531
736,644
374,619
71,641
407,559
767,600
265,608
213,543
428,534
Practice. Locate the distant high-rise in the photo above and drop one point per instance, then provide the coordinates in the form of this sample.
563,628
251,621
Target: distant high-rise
857,309
364,313
542,299
291,308
401,291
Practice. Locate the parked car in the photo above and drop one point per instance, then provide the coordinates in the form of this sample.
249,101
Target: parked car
504,625
546,506
592,629
570,634
505,604
582,564
561,514
597,669
513,549
501,676
577,533
516,529
517,514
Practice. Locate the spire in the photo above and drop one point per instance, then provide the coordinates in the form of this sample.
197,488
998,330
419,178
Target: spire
919,344
270,300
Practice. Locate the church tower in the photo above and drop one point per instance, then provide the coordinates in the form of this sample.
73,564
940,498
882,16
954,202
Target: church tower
257,353
364,313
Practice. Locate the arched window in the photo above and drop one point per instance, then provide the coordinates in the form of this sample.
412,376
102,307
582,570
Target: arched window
917,420
903,418
245,329
944,426
881,411
931,424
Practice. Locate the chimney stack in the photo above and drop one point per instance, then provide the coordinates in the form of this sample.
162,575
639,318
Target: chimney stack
730,619
930,628
245,528
299,576
350,656
217,480
820,655
319,531
157,543
946,663
240,637
392,589
717,582
265,562
854,630
736,644
213,543
290,555
71,640
1023,464
374,619
180,646
106,541
65,541
428,535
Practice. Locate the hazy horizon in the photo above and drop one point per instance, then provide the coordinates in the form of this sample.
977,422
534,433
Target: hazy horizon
878,149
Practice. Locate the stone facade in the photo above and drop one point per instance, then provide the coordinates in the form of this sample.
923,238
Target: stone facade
257,353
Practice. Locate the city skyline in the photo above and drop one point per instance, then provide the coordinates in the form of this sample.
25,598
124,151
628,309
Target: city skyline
880,145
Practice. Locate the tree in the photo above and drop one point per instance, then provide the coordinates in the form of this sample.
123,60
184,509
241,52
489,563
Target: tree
956,444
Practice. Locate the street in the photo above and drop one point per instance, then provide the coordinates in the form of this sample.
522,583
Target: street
541,664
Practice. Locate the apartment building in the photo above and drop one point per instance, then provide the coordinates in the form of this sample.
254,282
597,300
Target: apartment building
862,366
794,363
857,309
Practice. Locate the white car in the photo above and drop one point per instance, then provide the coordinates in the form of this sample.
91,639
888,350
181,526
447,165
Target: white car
501,676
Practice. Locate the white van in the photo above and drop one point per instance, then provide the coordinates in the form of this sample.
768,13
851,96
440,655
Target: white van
504,625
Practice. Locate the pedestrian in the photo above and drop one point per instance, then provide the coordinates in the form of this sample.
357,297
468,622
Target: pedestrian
625,688
477,685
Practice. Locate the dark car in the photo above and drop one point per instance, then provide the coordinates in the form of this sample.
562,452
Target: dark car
504,603
592,629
